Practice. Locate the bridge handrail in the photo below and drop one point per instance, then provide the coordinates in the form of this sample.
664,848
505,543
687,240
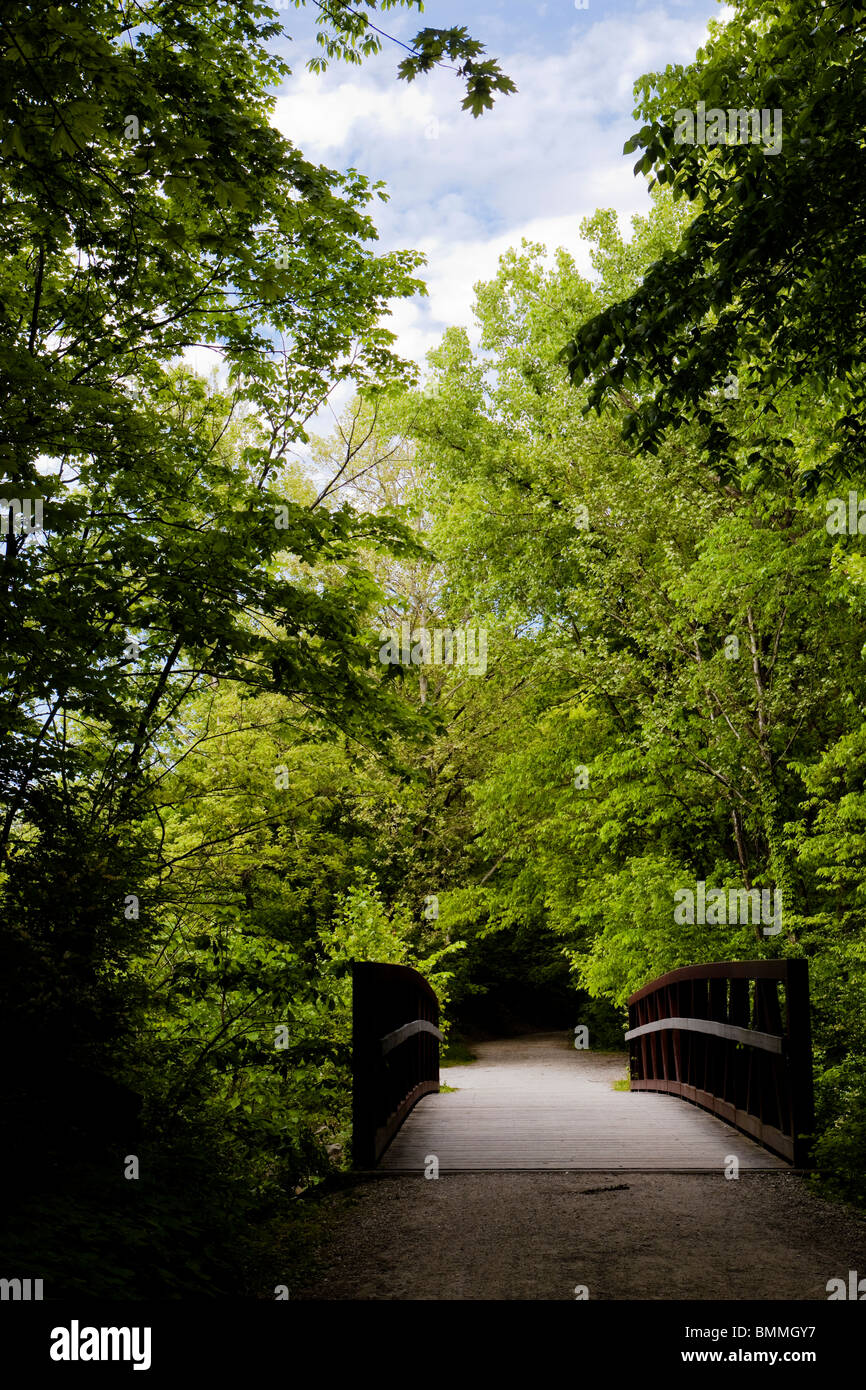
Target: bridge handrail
719,1036
395,1053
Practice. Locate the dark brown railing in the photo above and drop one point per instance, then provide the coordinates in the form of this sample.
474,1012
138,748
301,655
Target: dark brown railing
721,1037
395,1053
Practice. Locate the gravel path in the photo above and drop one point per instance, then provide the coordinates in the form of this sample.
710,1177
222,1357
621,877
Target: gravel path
623,1236
538,1235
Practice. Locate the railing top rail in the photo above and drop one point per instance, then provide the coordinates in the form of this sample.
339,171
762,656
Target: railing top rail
719,970
751,1037
409,1030
390,972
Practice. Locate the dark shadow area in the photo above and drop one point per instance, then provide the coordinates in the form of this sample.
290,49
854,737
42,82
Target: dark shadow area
519,982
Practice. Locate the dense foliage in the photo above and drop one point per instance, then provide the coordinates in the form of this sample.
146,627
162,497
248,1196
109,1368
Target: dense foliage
183,578
223,778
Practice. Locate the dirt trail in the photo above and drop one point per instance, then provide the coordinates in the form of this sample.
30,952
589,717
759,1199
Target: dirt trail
538,1235
535,1235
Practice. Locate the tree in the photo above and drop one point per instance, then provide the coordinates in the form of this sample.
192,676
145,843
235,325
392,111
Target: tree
150,209
775,253
694,636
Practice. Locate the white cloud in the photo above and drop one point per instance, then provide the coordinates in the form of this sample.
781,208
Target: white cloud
541,161
206,361
323,118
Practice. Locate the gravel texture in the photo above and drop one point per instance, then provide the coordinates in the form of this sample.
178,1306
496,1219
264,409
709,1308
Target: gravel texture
622,1235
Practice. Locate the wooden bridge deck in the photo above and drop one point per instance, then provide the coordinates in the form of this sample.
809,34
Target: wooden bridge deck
537,1103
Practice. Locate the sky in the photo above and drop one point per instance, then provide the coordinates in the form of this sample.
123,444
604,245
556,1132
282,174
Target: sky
463,190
